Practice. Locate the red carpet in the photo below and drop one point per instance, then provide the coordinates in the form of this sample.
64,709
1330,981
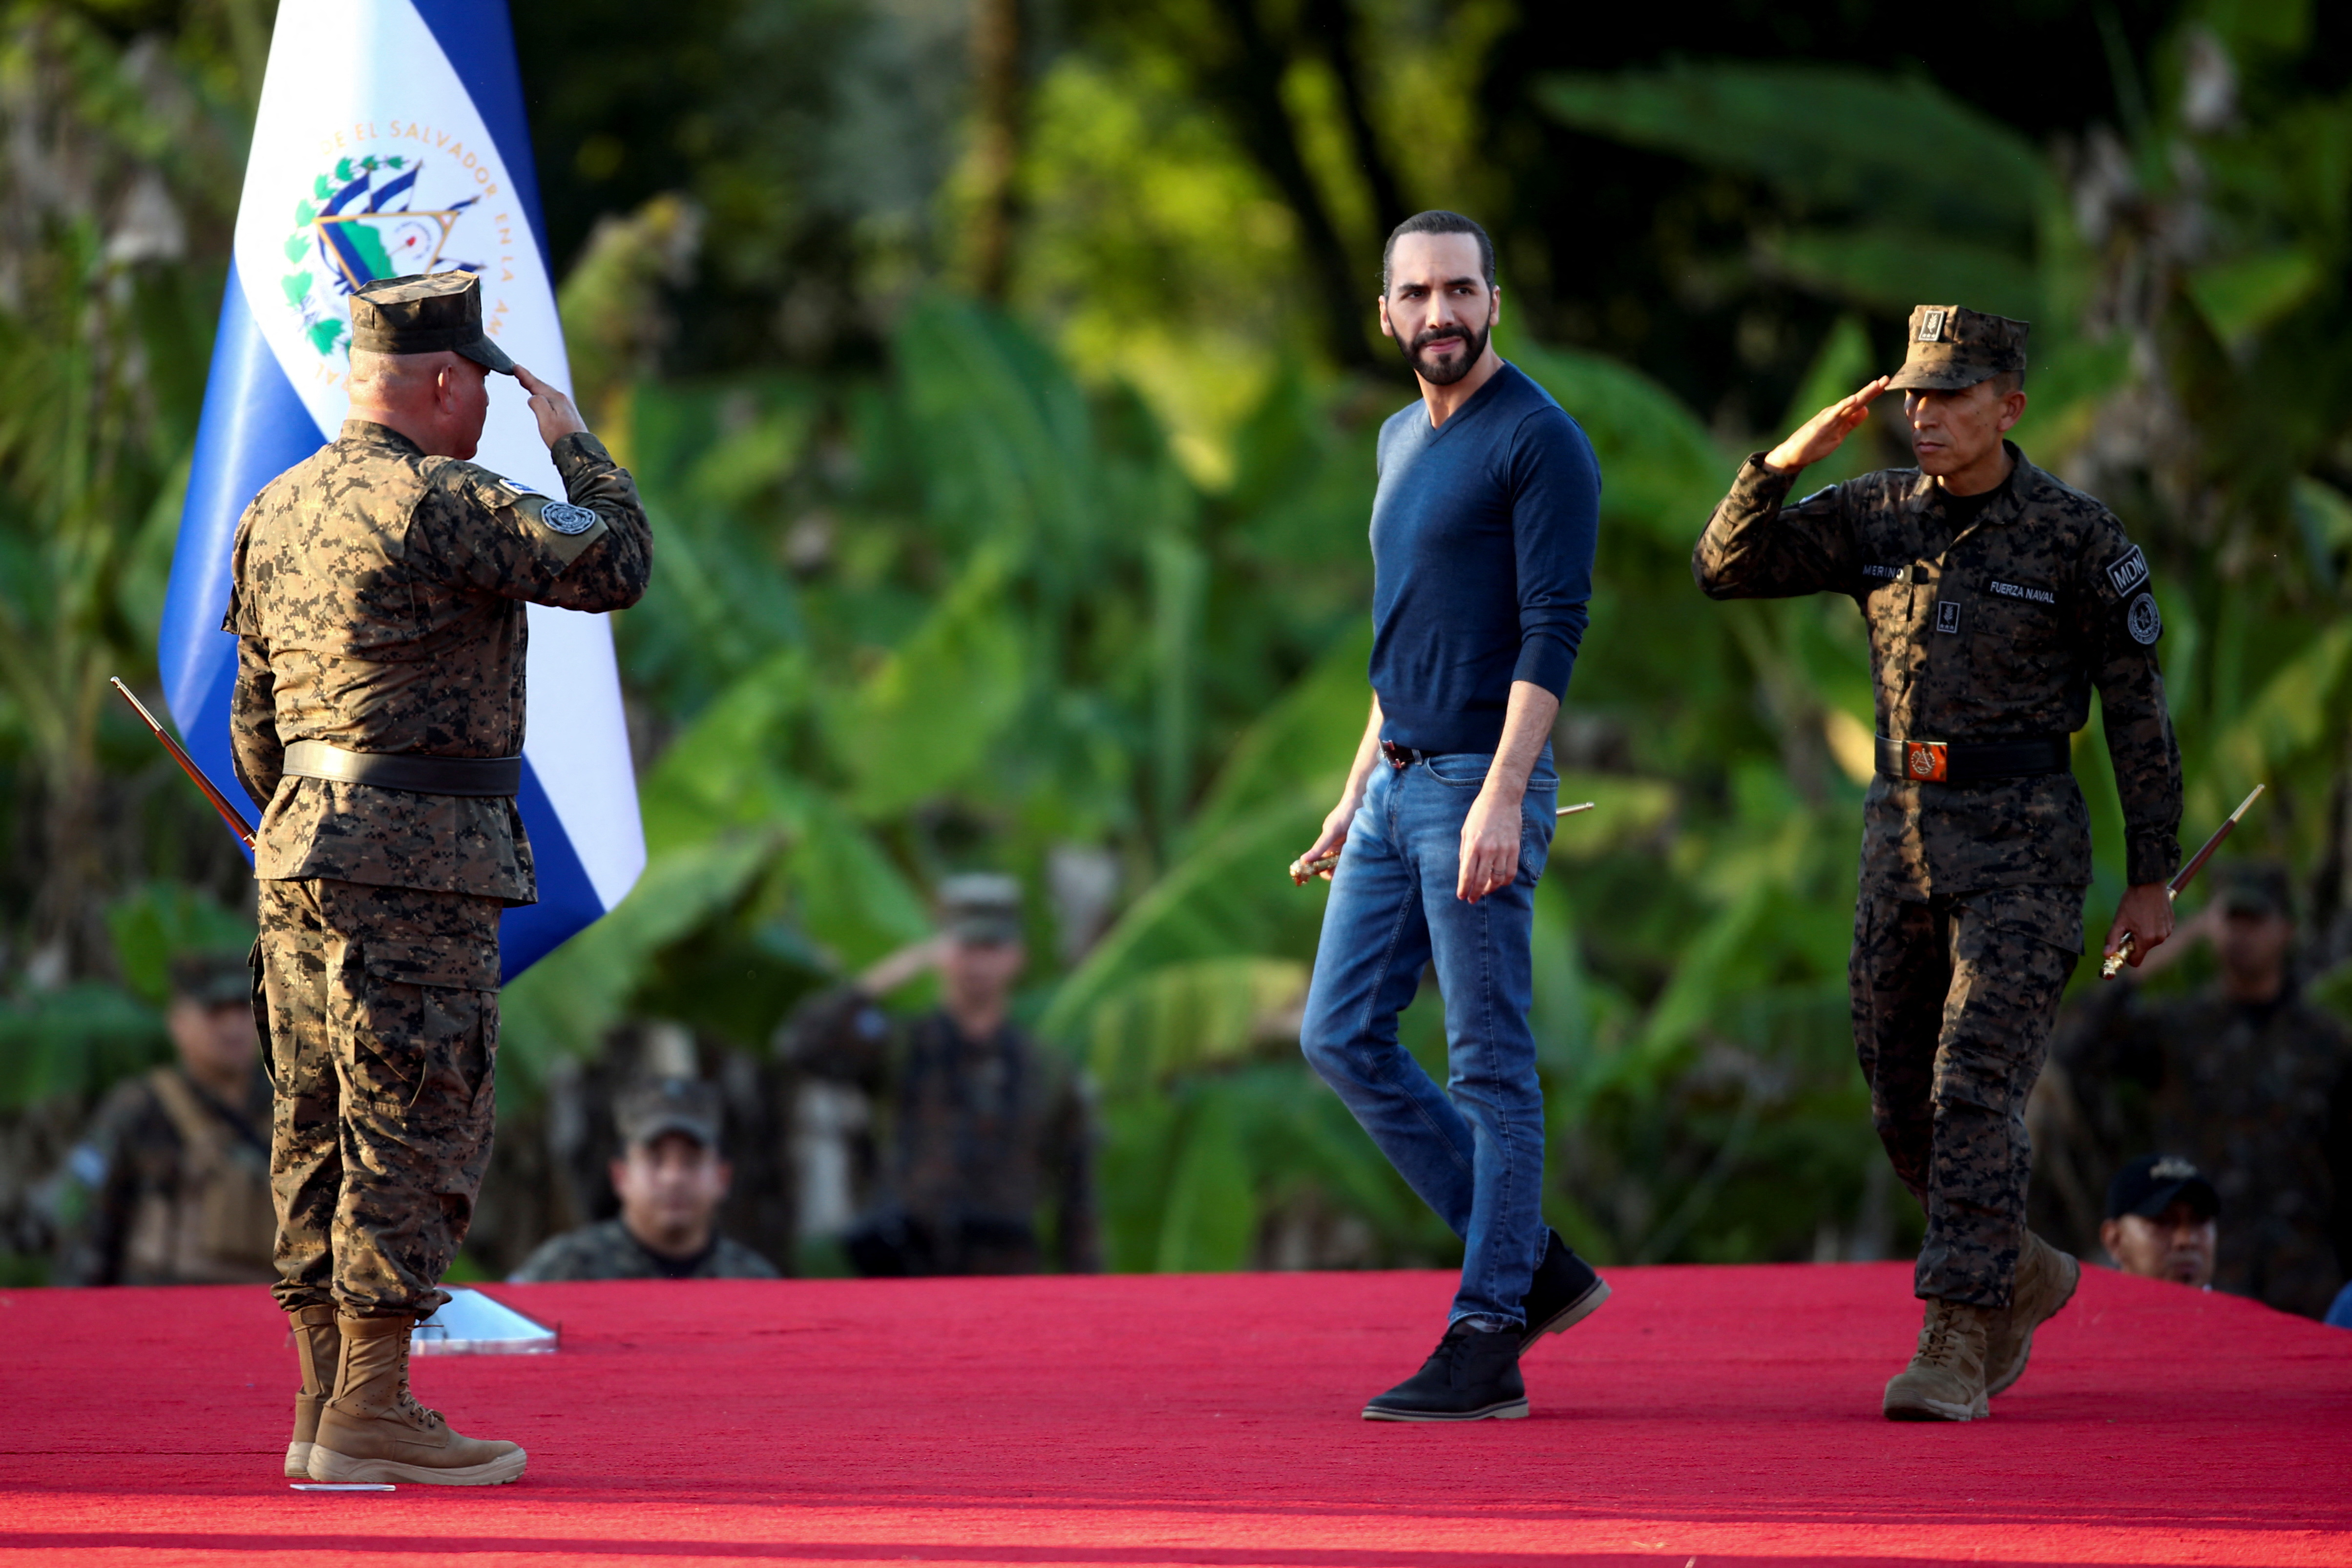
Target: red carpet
1718,1415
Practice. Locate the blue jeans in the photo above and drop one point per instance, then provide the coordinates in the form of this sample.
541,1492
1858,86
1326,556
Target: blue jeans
1475,1150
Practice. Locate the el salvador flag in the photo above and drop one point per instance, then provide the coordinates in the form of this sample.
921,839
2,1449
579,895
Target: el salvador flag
391,140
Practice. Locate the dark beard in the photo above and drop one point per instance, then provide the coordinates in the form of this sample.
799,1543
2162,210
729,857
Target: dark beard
1474,345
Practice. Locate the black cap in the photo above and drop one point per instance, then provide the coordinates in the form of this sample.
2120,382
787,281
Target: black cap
657,1107
2153,1183
425,313
2253,887
214,978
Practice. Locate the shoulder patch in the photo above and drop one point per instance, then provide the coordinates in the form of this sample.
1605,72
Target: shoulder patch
566,518
2128,573
2143,620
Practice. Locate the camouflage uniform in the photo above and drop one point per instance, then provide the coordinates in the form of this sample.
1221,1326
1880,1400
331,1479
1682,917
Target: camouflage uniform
379,601
1970,918
983,1133
608,1251
174,1187
2258,1094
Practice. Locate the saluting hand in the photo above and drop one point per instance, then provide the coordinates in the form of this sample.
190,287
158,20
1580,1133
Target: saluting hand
1826,431
557,416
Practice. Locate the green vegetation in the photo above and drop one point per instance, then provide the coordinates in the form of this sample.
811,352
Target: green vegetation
1053,562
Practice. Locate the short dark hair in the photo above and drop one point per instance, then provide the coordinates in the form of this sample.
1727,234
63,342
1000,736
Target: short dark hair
1438,221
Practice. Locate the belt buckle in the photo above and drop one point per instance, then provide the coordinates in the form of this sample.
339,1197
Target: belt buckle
1926,760
1398,756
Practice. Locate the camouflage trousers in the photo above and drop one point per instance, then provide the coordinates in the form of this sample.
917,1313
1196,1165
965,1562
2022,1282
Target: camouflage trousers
1953,1003
381,1036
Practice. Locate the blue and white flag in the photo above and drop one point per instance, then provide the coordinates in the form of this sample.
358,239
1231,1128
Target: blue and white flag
391,140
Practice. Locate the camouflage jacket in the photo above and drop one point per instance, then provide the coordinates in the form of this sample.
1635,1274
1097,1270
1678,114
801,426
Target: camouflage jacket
607,1251
169,1186
378,600
983,1134
1997,633
2260,1096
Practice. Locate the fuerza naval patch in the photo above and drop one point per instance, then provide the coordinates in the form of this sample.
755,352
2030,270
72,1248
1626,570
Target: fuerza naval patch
566,518
2143,621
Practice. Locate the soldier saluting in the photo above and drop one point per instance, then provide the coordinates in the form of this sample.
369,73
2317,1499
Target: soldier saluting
378,603
1996,597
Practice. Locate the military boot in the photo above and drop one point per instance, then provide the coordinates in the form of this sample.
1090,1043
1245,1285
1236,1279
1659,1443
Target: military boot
2046,1278
374,1430
1945,1381
319,1347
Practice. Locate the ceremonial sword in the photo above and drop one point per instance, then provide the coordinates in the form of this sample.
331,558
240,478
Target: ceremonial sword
1302,872
2113,965
187,765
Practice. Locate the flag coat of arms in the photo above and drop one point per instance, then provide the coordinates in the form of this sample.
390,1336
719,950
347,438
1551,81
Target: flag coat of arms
391,139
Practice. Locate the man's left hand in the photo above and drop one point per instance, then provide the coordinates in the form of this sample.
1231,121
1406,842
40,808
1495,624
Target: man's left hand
1490,844
2145,916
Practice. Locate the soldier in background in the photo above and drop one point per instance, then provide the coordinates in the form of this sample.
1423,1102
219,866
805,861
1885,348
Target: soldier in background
1996,599
171,1184
987,1127
378,600
2163,1221
671,1178
2246,1079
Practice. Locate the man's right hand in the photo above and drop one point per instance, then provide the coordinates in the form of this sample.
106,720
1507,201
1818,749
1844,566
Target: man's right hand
887,975
557,416
1825,432
1333,837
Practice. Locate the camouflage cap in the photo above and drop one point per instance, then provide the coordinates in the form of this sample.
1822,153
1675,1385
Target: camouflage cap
2253,887
427,313
656,1107
216,980
1948,347
981,907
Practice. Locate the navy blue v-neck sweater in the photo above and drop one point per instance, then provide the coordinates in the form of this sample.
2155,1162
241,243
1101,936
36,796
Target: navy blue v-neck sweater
1483,534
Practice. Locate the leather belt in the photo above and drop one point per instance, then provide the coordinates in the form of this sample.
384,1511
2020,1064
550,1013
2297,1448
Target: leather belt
1402,757
421,775
1945,762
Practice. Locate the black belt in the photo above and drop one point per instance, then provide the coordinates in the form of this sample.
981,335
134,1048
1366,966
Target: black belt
421,775
1404,756
1937,762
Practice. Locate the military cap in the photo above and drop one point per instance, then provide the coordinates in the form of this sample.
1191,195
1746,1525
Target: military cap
2253,887
657,1107
2153,1183
426,313
1948,347
981,907
212,979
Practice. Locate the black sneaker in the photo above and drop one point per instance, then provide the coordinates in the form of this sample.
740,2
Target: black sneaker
1471,1374
1564,1293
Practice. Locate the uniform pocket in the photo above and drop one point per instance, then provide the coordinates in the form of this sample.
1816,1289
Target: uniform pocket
425,1017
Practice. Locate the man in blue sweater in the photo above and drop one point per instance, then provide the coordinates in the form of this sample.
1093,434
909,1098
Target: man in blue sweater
1483,533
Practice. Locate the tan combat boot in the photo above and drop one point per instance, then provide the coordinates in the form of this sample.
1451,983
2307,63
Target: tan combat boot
319,1347
2046,1278
1945,1381
374,1430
